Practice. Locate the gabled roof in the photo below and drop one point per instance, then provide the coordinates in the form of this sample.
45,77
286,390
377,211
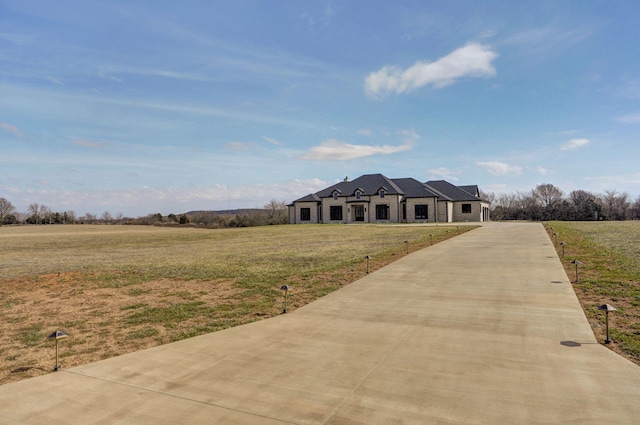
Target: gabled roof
472,189
451,191
312,197
369,184
412,188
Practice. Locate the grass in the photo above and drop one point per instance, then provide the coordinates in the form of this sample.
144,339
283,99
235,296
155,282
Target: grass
117,289
610,274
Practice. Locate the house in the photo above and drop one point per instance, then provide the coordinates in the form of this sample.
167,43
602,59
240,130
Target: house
375,198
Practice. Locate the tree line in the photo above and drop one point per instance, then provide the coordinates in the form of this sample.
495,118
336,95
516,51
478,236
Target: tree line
544,202
548,202
274,212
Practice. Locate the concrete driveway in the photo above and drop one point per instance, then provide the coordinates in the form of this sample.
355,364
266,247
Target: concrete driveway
481,329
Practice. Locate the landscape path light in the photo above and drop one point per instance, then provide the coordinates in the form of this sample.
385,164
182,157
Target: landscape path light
555,239
607,308
407,245
285,289
431,239
368,257
58,334
563,244
577,263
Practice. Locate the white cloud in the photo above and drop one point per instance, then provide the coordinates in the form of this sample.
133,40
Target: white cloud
543,171
365,132
444,173
335,150
500,168
472,60
272,141
629,118
10,128
574,144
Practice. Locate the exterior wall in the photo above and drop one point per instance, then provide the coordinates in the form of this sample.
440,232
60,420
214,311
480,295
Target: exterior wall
352,203
393,201
445,212
294,213
327,203
411,203
476,211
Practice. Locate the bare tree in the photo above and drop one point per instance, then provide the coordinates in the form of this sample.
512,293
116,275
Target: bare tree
90,218
6,209
635,209
616,206
106,217
547,195
39,213
276,212
69,217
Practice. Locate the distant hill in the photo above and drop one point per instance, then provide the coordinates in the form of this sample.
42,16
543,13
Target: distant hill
240,211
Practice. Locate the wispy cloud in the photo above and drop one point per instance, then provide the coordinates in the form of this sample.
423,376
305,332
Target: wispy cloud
472,60
238,146
444,173
273,141
629,118
10,128
574,144
500,168
553,37
336,150
89,144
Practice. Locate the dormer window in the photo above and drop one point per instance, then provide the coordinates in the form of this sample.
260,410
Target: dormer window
358,195
381,193
335,195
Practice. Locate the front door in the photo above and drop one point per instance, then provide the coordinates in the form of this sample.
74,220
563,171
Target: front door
358,213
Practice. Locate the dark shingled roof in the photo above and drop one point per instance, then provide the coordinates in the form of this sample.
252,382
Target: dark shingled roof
312,197
369,184
412,188
451,191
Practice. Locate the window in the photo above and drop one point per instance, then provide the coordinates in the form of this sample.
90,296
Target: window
382,212
335,212
335,195
381,193
358,195
305,214
466,208
422,212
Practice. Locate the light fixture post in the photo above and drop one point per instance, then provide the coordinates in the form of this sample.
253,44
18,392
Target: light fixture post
285,289
607,308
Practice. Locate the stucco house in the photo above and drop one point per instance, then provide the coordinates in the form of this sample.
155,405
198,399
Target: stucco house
374,198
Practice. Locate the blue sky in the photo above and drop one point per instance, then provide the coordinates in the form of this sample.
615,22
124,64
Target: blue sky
138,107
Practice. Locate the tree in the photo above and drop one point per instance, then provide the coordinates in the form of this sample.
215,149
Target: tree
587,205
276,212
616,206
6,210
106,217
35,213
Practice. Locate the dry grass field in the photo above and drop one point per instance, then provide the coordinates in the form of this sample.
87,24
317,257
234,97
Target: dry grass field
610,274
117,289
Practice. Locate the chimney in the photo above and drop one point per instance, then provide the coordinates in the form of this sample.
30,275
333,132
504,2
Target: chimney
346,179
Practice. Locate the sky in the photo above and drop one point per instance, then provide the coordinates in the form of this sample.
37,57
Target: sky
140,107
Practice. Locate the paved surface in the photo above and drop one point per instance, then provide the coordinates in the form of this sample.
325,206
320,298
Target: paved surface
482,329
